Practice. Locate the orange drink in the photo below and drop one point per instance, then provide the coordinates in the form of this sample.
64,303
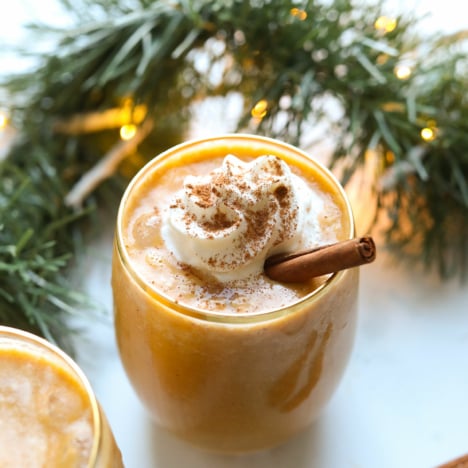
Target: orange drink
221,355
48,413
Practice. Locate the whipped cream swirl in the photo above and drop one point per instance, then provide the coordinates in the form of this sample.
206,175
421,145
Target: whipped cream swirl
227,222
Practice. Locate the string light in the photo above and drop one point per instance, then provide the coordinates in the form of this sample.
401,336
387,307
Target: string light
393,107
402,72
428,133
260,109
382,59
131,113
385,24
389,157
298,13
3,120
127,132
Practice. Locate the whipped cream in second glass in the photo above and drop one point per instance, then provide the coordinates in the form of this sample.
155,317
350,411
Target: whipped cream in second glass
227,222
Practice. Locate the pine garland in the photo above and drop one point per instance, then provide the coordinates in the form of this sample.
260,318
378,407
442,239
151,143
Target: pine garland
289,60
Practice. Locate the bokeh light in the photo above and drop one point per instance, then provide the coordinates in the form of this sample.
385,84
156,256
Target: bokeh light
260,109
127,132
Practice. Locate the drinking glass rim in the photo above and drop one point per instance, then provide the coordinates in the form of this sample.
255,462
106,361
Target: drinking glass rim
39,342
212,316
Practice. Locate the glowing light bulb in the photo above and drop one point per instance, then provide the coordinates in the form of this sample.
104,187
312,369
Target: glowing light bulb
393,106
382,59
389,157
3,120
127,132
428,133
260,109
402,72
298,13
385,24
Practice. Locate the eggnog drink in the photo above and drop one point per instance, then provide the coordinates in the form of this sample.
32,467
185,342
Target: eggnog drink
219,353
48,414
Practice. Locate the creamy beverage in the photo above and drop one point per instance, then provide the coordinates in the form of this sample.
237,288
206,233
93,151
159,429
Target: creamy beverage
219,353
48,416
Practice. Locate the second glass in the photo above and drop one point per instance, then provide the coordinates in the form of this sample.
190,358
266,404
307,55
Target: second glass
49,413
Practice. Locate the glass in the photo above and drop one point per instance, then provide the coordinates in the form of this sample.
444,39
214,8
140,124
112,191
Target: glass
233,383
41,365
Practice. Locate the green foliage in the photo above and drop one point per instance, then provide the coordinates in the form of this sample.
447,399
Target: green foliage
268,50
34,247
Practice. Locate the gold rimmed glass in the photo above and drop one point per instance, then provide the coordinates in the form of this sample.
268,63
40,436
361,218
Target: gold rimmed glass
233,382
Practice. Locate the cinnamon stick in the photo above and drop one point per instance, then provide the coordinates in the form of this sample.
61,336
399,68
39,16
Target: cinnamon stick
460,462
304,265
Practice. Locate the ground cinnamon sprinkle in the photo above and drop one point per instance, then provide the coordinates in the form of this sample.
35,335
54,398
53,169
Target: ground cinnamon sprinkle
177,202
203,194
188,218
277,167
257,222
280,193
219,222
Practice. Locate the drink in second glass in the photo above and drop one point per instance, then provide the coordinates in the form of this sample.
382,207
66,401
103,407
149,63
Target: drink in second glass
49,416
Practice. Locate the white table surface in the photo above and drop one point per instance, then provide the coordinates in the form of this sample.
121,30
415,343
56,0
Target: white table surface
403,401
